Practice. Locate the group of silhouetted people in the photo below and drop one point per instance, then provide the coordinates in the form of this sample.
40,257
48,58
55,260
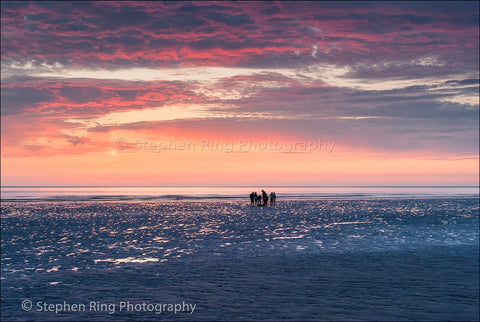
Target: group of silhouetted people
260,200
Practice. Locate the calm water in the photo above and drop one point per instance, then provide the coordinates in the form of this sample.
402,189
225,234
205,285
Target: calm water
350,258
181,193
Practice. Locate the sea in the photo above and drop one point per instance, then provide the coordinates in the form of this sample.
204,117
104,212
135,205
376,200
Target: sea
205,253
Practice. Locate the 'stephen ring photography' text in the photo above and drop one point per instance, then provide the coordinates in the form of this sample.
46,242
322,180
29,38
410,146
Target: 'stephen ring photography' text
139,145
109,308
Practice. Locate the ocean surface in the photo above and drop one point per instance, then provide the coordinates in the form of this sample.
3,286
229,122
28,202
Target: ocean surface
321,253
197,193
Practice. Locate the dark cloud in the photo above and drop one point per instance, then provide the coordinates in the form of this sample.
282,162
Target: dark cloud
270,10
82,94
159,43
180,22
76,27
214,42
23,95
97,33
128,94
125,16
15,100
14,5
231,20
299,101
127,41
37,17
464,82
191,7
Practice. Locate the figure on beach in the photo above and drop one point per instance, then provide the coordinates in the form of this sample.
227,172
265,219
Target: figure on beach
265,198
253,198
261,200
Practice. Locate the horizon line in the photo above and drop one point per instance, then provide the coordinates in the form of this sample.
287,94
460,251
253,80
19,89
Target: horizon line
239,186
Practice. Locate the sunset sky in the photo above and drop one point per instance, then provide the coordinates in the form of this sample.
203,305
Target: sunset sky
239,93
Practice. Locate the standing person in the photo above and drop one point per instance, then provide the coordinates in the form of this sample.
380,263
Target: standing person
252,196
265,198
272,198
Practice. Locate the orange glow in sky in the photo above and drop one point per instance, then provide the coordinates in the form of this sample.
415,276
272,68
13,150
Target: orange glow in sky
296,95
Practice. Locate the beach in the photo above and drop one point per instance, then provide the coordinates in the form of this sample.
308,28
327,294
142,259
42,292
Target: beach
312,259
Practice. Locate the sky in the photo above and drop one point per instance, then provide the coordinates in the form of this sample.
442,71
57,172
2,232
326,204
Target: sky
239,93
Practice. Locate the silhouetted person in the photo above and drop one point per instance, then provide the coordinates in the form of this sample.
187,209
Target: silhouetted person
252,198
265,198
273,196
259,200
